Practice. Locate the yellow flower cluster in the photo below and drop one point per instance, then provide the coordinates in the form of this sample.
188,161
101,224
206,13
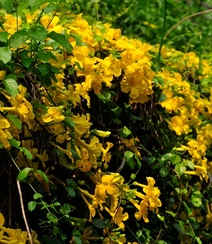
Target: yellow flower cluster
187,107
73,61
15,236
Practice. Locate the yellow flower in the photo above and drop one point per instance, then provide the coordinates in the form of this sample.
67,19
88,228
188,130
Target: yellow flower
84,164
118,217
200,170
53,115
180,124
209,215
2,74
12,23
143,211
94,149
82,123
4,133
106,156
2,220
30,18
110,185
49,22
172,104
101,133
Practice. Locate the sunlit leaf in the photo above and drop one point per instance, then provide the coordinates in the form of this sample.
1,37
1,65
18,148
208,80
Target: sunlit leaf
11,86
23,174
32,205
5,54
15,120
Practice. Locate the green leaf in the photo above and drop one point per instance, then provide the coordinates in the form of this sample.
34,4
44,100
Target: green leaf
11,86
5,54
190,164
128,155
180,168
104,96
25,60
177,227
43,175
63,161
50,7
175,159
71,191
68,122
32,205
38,33
98,38
37,196
23,174
16,40
162,97
197,202
163,172
32,3
7,5
4,37
46,55
166,156
26,152
198,240
99,223
124,132
44,68
77,240
171,213
55,230
61,39
77,39
139,164
15,120
117,110
66,209
14,143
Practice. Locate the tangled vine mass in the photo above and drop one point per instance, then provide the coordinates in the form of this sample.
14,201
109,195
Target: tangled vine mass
110,145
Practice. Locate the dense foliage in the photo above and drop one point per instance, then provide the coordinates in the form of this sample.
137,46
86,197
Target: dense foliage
109,135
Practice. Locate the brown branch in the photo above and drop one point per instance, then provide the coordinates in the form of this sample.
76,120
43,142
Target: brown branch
23,212
188,17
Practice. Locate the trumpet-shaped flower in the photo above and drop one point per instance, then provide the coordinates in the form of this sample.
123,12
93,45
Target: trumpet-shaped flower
84,164
82,123
12,23
118,217
110,185
53,115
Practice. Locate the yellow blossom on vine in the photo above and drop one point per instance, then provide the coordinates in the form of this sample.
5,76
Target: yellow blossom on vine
106,156
53,115
180,124
82,123
12,23
200,170
2,74
84,164
110,185
208,215
49,22
118,217
30,18
94,149
4,133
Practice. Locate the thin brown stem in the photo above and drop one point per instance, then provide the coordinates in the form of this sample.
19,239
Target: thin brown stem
23,212
188,17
